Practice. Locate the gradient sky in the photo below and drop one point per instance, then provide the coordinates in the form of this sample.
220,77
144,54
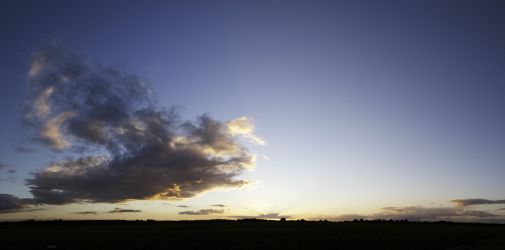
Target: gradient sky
367,107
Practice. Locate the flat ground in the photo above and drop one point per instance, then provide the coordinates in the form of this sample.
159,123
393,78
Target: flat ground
248,235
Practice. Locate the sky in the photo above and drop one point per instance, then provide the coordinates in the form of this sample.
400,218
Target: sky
175,110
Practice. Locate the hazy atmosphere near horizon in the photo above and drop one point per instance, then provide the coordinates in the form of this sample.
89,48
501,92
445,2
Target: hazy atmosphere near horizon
189,110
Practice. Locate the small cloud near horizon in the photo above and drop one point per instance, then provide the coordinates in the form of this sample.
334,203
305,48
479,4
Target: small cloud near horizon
420,213
261,216
86,213
202,212
121,210
470,202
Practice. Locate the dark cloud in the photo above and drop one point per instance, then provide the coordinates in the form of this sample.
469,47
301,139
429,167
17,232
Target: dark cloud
120,210
24,150
146,152
11,171
262,216
184,206
10,203
469,202
218,205
86,213
202,212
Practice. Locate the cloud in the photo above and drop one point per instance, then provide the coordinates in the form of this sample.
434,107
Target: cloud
10,171
244,126
419,213
202,212
272,216
10,203
3,165
184,206
86,213
9,179
261,216
120,210
218,205
343,217
146,151
469,202
24,150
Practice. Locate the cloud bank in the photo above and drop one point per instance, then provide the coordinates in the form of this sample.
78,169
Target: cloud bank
144,151
420,213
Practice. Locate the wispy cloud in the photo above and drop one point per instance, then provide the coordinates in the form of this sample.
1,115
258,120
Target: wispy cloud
469,202
121,210
183,206
261,216
419,213
86,213
244,127
218,205
3,165
24,150
202,212
10,171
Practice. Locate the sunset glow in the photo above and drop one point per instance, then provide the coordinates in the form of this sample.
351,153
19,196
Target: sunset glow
314,110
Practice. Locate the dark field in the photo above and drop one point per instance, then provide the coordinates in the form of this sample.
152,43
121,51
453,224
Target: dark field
248,235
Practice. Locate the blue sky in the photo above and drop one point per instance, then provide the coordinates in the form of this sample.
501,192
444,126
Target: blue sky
364,105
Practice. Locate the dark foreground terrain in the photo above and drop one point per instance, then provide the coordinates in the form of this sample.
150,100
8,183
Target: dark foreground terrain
248,235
